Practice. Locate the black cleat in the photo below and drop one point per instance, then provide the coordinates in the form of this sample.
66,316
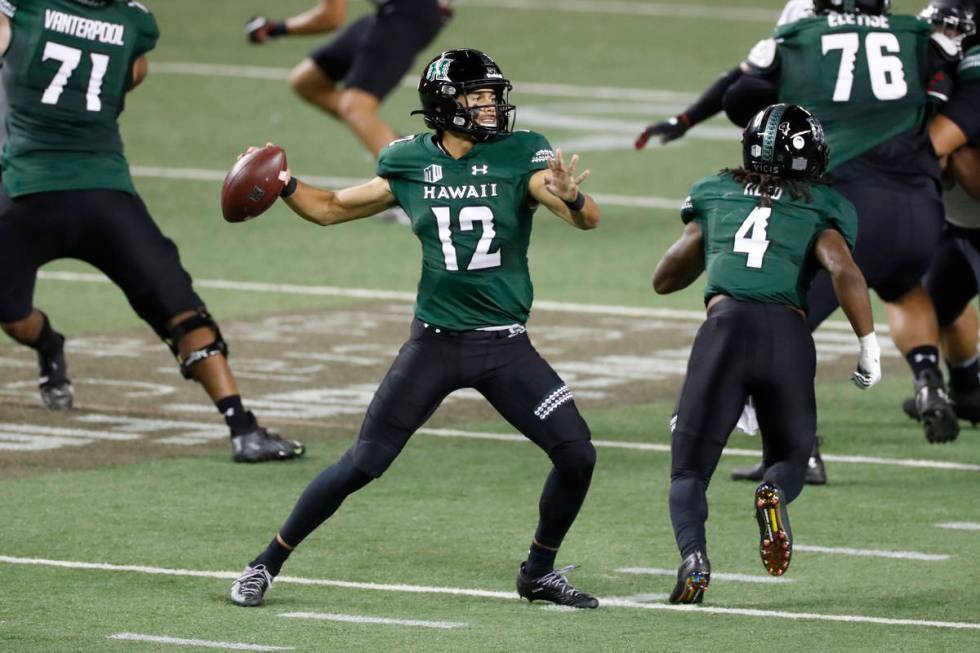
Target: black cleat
934,408
775,536
692,579
966,403
908,407
816,474
56,390
249,589
553,587
260,445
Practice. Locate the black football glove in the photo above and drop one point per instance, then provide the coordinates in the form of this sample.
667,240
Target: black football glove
260,29
667,130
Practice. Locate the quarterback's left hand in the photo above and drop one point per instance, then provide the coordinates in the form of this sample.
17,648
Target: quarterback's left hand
868,371
562,182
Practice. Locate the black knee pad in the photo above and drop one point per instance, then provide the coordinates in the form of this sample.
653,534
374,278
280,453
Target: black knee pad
575,459
174,334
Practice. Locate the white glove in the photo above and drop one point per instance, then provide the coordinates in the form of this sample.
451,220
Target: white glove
868,370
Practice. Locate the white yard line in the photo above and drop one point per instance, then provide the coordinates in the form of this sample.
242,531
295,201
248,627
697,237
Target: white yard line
661,9
730,451
406,296
577,91
872,553
511,595
960,526
357,619
197,643
741,578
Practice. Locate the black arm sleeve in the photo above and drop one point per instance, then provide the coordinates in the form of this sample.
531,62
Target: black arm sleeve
710,101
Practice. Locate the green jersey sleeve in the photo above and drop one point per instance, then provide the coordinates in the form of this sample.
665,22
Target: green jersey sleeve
149,32
399,157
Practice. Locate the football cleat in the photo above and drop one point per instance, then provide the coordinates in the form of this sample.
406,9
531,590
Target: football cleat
816,473
249,589
56,390
775,536
260,445
966,405
934,408
692,579
553,587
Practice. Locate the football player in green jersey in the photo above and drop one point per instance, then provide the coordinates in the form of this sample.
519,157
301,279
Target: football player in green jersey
67,193
471,189
760,232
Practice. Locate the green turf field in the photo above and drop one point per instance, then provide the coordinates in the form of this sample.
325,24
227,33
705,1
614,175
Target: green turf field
124,522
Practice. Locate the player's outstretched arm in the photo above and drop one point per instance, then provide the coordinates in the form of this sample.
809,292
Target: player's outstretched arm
682,263
558,189
946,136
852,293
327,16
326,207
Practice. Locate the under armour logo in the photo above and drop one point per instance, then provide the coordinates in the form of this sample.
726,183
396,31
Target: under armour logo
480,170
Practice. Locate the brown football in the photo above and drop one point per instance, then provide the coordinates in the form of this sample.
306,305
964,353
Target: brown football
253,184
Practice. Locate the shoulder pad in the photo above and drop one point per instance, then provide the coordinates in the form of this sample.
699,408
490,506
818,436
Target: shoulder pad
945,46
795,10
762,56
403,139
138,5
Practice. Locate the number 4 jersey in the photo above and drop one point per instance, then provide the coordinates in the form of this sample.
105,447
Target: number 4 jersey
763,254
473,218
66,74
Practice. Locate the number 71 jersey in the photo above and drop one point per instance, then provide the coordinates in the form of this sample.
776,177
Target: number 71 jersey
763,254
66,74
473,218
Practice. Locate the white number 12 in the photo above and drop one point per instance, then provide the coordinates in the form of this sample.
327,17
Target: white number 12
483,258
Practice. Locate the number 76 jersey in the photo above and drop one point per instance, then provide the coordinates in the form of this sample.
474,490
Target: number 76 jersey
864,77
763,254
66,74
473,218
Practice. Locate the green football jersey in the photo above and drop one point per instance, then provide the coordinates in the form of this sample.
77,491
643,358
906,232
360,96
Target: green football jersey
763,254
864,77
66,74
473,218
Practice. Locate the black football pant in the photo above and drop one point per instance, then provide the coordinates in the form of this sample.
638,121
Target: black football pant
742,349
506,369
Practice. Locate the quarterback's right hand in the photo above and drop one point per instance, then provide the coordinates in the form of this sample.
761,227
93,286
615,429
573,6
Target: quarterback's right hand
868,371
667,130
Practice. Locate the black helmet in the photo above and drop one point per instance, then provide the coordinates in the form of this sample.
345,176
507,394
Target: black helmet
787,141
959,15
450,75
870,7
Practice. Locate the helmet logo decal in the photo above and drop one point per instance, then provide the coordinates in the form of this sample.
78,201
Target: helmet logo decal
784,129
438,70
432,173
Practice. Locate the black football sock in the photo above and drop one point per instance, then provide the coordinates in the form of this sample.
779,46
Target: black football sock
48,341
688,511
236,417
273,557
922,358
540,561
966,375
